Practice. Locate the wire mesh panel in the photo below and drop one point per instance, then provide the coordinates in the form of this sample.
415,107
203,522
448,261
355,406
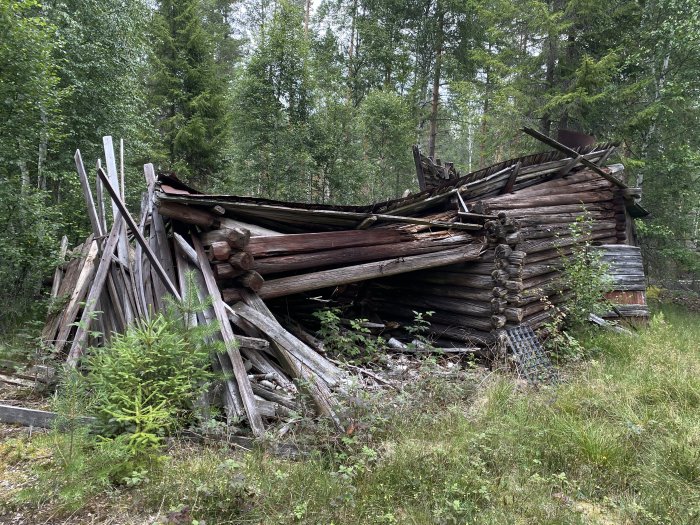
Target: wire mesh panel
530,359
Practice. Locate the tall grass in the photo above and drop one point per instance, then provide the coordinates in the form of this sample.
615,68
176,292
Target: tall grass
618,442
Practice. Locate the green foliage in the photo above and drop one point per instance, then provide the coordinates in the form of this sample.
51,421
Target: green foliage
585,275
146,380
612,444
29,97
189,90
356,343
586,280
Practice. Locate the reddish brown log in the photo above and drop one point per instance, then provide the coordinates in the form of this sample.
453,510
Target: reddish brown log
224,271
252,280
219,251
344,256
311,242
237,238
241,261
367,271
188,214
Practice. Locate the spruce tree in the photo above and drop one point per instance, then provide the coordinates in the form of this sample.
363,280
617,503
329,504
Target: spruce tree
189,90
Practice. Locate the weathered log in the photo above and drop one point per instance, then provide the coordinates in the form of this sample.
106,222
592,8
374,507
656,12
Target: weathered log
224,271
604,206
363,272
393,311
534,246
498,321
464,335
514,315
242,382
548,200
312,242
251,280
219,251
241,261
236,238
344,256
301,354
254,229
458,292
188,214
431,302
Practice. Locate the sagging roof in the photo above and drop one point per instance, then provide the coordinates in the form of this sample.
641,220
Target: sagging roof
502,177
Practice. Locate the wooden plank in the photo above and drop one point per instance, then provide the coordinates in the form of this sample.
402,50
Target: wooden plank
87,193
58,272
301,353
313,383
511,179
81,288
93,297
565,149
304,216
113,181
419,168
233,403
30,417
99,195
244,388
139,238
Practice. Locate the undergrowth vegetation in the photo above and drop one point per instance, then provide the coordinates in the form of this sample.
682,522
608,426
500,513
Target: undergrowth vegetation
617,442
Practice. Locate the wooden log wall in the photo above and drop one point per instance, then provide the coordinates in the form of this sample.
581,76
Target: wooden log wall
470,301
546,214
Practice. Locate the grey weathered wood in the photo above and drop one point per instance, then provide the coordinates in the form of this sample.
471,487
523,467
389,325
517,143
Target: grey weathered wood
30,417
113,180
253,343
315,385
99,195
98,283
187,250
565,149
511,179
58,272
301,353
232,399
139,238
244,387
364,272
121,169
81,288
87,193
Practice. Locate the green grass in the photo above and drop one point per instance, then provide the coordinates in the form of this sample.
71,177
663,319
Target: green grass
618,442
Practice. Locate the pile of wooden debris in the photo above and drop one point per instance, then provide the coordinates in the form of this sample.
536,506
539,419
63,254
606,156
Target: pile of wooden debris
478,251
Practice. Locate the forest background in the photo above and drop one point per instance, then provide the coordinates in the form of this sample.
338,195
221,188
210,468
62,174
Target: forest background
321,101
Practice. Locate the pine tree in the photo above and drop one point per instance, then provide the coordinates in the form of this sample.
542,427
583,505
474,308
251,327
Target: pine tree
189,89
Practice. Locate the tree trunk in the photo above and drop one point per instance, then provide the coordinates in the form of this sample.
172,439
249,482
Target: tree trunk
436,83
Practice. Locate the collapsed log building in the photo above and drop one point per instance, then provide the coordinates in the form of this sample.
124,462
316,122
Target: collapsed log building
480,251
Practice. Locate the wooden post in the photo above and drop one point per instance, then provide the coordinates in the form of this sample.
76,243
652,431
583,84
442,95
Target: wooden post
239,371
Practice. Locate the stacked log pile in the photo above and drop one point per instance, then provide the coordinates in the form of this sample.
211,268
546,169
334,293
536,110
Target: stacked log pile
546,214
